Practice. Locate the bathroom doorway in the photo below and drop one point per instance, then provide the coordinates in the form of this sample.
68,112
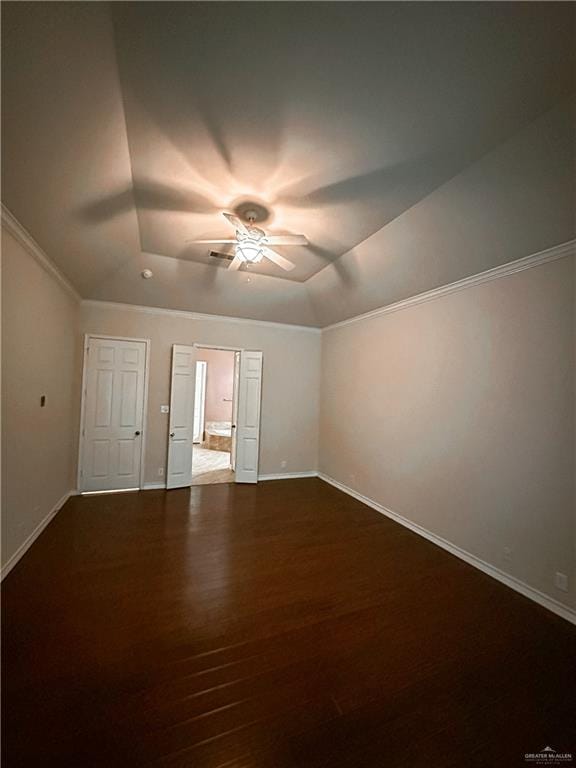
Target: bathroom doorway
196,434
215,408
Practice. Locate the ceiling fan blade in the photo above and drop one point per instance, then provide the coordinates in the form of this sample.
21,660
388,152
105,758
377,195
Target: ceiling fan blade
277,259
236,222
236,263
287,239
211,241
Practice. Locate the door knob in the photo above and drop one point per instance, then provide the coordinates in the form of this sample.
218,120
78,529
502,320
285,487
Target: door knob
137,433
172,434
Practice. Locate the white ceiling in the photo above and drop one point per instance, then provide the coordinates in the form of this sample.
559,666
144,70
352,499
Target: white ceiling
129,127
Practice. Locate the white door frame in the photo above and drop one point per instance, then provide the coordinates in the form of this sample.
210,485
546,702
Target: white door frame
223,348
200,392
86,344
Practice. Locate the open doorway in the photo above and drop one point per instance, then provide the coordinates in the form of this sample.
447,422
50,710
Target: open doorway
243,431
216,390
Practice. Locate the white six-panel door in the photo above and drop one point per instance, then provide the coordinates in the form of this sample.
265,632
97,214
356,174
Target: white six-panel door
248,421
181,428
113,421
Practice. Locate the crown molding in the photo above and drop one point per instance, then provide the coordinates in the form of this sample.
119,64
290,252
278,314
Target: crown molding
197,315
11,224
504,270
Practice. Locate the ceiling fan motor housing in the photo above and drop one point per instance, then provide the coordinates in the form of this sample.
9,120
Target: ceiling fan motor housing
251,212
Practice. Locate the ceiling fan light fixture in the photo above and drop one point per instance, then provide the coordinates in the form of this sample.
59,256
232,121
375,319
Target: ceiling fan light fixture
249,246
249,252
252,244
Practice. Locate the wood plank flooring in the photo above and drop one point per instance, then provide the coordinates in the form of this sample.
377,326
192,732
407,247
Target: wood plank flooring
283,625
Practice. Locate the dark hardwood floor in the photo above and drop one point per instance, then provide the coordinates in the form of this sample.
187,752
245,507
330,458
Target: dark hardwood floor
267,626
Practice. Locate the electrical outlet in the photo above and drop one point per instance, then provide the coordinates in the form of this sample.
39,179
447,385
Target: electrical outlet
352,477
283,464
507,555
561,581
164,409
160,471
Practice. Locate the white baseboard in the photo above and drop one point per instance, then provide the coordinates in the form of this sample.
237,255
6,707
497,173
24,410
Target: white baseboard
153,487
288,476
510,581
283,476
25,546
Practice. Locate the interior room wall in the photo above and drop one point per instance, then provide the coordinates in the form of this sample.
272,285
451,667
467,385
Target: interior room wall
458,414
39,357
219,383
291,378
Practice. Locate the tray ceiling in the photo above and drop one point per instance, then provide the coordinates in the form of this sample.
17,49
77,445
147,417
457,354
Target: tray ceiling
129,127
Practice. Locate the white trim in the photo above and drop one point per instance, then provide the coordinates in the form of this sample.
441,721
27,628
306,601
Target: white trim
221,348
11,224
107,493
196,315
288,475
504,270
200,400
25,546
510,581
87,337
15,228
284,476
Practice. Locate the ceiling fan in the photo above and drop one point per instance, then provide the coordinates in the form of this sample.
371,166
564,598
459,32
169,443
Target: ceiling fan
252,244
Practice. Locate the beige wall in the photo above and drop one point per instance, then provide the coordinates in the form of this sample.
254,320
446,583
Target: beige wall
459,415
291,379
39,357
219,383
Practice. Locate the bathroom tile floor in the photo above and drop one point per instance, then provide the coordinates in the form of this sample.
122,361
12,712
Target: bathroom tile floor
210,467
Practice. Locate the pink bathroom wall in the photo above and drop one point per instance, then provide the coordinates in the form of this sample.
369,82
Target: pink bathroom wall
219,383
